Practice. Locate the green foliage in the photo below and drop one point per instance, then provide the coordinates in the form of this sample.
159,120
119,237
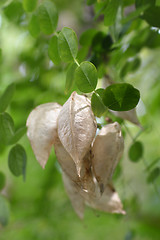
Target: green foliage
154,174
29,5
6,128
4,211
70,77
151,15
97,104
136,151
6,97
17,160
33,26
111,12
48,17
86,77
121,97
53,50
67,44
2,180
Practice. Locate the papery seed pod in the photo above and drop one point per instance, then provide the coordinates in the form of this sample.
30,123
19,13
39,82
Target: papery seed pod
74,195
107,151
109,201
42,130
76,127
128,115
85,183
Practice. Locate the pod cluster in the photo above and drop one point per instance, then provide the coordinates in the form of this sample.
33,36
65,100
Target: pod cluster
87,159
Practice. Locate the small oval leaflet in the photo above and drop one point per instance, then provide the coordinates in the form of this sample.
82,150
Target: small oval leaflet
6,97
2,180
121,97
86,77
53,50
48,17
4,211
6,128
29,5
97,104
154,174
67,44
17,160
136,151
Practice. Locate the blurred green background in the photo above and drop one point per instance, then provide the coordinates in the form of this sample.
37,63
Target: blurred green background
39,207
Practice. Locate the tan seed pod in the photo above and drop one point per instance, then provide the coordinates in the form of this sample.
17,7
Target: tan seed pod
109,201
85,183
128,115
76,127
74,195
107,151
42,130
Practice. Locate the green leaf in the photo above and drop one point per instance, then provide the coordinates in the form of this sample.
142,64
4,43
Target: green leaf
130,66
158,3
6,128
86,77
48,17
90,2
18,135
87,36
17,160
140,3
6,97
155,173
53,50
136,151
82,53
29,5
121,97
111,12
70,77
33,26
2,180
97,104
134,14
67,44
4,211
152,16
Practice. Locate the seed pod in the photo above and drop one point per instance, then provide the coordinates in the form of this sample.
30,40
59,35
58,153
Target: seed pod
85,183
107,151
76,127
109,201
42,130
74,195
128,115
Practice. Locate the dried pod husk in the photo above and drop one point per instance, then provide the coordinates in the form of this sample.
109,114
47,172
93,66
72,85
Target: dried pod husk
130,115
107,151
85,182
109,201
76,127
74,195
42,130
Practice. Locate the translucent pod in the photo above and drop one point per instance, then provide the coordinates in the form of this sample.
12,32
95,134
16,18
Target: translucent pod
76,127
42,130
85,182
109,201
74,195
107,151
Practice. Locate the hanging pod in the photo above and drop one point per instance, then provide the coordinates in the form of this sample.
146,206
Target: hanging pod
107,151
42,130
76,127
